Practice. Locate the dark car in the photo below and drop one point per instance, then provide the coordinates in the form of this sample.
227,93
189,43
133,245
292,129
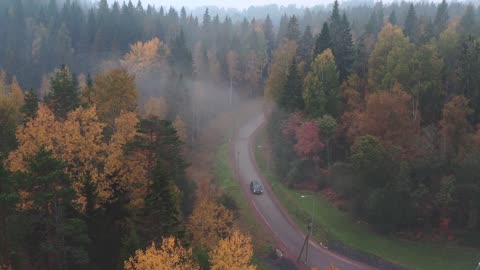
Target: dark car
256,187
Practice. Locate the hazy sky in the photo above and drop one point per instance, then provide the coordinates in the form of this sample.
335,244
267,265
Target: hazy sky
230,3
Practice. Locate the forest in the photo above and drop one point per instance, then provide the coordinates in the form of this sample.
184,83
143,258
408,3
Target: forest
102,106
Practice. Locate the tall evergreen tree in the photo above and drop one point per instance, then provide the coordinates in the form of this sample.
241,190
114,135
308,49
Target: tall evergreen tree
61,237
468,23
163,204
323,41
269,36
427,31
375,23
392,18
293,29
345,51
64,96
207,20
441,18
291,98
282,29
468,71
411,24
307,44
8,199
372,24
181,56
342,43
31,104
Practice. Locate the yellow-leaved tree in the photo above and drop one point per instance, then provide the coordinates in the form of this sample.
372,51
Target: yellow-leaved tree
210,222
3,82
16,93
77,141
234,252
114,92
277,75
171,255
146,56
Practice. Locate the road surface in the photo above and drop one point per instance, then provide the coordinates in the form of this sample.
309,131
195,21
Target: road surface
287,234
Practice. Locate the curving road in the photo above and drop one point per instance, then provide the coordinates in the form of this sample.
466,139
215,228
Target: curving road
287,234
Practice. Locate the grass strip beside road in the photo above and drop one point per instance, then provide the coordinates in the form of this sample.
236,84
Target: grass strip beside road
331,223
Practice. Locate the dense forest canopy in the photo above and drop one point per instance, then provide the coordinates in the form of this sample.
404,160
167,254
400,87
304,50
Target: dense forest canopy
101,107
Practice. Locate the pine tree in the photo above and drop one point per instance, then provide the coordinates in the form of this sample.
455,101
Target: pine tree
64,96
323,41
182,57
8,199
293,30
441,18
30,107
163,202
61,237
282,29
468,71
345,50
468,23
411,24
207,20
392,18
307,44
428,31
342,43
371,26
269,36
183,17
291,98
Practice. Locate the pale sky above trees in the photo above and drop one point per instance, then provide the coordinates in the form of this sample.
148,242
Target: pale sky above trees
231,3
245,4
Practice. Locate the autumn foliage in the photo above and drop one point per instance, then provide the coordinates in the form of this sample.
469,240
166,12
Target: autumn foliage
170,255
79,141
234,252
210,222
388,115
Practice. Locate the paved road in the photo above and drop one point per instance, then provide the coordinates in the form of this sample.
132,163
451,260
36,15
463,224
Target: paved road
287,234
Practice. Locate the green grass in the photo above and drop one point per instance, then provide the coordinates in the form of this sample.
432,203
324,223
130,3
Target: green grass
331,223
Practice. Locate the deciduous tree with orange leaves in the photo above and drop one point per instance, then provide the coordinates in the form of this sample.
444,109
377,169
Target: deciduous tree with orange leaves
210,222
145,56
389,117
77,141
114,91
171,255
234,252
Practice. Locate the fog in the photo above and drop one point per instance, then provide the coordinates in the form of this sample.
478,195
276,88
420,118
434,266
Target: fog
242,5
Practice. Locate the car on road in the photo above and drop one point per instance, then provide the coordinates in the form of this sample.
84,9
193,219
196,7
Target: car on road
256,187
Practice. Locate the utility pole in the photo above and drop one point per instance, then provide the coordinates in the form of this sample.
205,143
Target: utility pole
310,231
305,245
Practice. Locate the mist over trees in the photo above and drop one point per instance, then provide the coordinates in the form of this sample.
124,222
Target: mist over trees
102,106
